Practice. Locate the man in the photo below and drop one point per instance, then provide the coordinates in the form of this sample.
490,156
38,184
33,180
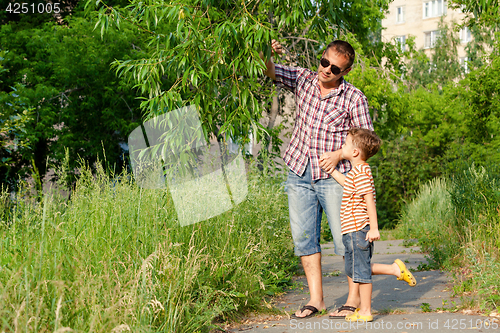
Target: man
327,107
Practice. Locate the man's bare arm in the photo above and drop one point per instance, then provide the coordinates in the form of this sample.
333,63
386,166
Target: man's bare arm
277,49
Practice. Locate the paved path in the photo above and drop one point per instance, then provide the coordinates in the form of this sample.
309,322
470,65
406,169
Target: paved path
396,306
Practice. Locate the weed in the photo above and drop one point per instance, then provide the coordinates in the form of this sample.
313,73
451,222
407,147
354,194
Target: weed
426,307
387,235
431,265
445,307
334,273
389,310
466,286
326,234
409,242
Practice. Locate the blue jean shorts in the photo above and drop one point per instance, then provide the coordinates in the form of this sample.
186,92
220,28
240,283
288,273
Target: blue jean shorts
358,256
306,202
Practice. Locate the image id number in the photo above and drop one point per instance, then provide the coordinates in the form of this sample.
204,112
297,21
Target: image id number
26,8
456,324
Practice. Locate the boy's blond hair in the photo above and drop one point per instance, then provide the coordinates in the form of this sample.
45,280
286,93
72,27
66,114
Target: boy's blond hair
366,141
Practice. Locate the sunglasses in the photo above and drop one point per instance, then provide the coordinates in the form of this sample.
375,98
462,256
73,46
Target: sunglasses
335,70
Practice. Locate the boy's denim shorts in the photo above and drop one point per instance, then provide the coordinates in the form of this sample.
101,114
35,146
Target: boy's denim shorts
306,202
358,255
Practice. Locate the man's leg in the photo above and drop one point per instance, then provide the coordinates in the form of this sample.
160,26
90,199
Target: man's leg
305,222
312,268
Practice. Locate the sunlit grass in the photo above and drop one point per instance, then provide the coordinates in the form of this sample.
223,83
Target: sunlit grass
114,258
457,222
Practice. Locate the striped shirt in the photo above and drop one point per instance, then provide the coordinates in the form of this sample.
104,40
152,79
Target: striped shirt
322,122
353,213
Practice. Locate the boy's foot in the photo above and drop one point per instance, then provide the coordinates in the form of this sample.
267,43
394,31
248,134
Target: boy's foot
342,312
405,273
357,317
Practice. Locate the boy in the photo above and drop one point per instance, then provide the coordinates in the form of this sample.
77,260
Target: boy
359,225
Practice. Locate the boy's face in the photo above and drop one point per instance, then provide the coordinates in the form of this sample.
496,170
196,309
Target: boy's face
348,148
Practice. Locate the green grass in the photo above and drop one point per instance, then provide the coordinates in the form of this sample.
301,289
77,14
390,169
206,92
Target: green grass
457,222
114,257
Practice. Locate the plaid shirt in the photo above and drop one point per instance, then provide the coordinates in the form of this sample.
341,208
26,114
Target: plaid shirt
321,123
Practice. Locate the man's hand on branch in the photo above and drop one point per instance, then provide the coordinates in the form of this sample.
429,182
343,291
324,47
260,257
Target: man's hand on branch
277,48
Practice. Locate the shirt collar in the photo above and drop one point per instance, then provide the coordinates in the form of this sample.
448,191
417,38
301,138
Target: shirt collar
334,92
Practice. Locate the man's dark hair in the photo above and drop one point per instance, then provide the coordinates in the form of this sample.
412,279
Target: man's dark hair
343,48
366,141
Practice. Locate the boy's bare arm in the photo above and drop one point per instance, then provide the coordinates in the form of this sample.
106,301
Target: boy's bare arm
373,234
339,177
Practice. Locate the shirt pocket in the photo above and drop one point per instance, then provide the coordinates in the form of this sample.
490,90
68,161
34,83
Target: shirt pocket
336,117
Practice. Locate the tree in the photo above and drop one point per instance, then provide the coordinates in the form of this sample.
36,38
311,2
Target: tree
61,75
485,12
207,52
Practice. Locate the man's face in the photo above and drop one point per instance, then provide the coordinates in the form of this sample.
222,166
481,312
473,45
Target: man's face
325,74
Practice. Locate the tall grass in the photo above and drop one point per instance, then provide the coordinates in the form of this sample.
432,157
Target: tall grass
429,218
114,259
457,220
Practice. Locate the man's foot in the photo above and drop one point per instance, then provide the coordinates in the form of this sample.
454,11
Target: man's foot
342,312
405,274
308,310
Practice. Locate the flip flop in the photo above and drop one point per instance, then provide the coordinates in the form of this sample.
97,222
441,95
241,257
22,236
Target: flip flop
342,308
357,317
306,307
405,274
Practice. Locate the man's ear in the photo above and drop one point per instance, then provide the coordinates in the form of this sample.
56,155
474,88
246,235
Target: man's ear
347,71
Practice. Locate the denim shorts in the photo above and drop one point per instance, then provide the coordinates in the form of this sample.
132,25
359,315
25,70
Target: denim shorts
306,202
358,255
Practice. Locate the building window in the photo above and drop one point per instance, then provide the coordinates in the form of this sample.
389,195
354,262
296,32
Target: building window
464,61
400,14
465,35
435,8
431,38
401,42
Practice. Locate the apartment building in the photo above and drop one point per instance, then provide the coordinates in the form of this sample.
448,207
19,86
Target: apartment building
420,18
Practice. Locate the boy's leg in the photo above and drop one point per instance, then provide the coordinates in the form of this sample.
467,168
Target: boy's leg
382,269
330,196
353,299
398,269
365,293
361,270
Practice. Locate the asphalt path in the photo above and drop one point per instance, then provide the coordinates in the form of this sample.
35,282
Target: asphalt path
396,306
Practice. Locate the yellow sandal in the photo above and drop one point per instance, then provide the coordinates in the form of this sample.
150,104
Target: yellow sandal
357,317
405,274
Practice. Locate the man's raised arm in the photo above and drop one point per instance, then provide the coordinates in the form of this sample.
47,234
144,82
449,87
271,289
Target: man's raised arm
277,49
